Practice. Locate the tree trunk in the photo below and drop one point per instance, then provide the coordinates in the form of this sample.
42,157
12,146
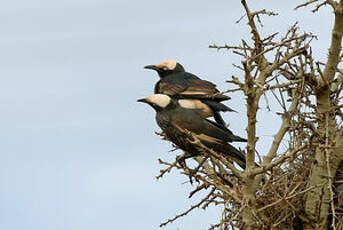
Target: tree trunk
318,200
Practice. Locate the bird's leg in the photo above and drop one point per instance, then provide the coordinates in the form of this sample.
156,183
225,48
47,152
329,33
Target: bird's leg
192,172
182,160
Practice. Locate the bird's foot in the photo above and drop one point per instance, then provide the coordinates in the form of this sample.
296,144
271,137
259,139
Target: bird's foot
193,172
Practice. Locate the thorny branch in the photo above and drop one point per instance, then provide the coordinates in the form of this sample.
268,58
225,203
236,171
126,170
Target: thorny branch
189,210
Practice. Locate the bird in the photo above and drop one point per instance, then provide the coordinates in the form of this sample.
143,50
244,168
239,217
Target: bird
175,120
195,93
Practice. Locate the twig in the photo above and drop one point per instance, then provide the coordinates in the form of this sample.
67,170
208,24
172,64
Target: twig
223,214
232,218
188,211
289,197
167,170
283,158
210,152
305,4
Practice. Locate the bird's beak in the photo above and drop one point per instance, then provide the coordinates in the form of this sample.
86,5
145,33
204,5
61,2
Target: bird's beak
153,67
142,100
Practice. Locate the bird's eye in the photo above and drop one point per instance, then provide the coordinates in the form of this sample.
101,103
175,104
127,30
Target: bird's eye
165,68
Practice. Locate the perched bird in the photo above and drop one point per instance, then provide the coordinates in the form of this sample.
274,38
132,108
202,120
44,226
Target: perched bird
175,119
196,93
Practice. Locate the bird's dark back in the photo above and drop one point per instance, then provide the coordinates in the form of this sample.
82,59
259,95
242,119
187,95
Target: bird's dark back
181,81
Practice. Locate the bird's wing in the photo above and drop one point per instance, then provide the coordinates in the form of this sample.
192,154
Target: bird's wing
230,152
201,136
187,85
169,88
200,87
227,132
207,130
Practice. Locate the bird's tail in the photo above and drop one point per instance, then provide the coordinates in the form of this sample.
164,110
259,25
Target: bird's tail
217,106
218,118
235,155
228,151
238,139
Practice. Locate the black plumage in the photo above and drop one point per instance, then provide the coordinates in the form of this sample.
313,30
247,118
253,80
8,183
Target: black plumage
175,121
177,83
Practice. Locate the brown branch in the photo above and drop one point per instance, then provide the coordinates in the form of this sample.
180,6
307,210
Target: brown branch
262,61
283,43
283,85
167,170
214,46
283,158
230,192
199,188
189,210
285,125
305,4
227,222
209,152
289,197
336,44
332,3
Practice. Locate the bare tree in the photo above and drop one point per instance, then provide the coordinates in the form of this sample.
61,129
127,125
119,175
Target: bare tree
297,188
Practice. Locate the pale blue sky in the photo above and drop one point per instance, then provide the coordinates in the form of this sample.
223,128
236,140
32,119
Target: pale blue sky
76,150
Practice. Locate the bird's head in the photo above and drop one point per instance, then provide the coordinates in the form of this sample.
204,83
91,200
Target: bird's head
166,68
157,101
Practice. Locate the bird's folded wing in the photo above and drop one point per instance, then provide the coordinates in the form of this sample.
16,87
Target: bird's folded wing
207,130
187,84
169,88
199,87
200,136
